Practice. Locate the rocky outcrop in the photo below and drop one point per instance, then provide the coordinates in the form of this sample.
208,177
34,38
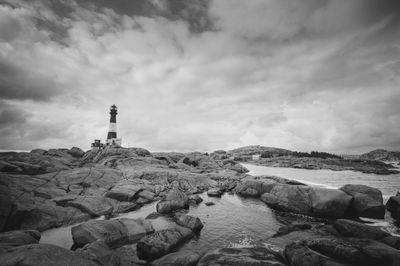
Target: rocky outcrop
42,254
114,232
162,242
174,200
368,201
313,201
193,223
240,256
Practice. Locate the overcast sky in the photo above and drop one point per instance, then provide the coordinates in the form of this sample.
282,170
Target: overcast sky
201,75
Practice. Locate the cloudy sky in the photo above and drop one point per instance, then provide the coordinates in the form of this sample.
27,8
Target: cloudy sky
201,75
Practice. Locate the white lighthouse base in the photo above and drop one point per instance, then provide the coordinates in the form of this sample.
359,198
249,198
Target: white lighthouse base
114,142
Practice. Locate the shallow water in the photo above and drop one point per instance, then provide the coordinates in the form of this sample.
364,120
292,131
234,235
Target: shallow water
235,221
232,221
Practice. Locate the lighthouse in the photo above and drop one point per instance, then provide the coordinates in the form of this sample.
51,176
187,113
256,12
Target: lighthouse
112,139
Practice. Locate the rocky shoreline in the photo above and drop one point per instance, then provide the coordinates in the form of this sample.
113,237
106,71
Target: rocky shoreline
46,189
359,165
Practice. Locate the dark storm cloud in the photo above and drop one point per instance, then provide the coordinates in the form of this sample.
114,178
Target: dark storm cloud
194,12
10,115
17,83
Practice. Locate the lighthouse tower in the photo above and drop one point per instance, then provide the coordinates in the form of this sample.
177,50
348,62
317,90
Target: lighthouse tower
112,139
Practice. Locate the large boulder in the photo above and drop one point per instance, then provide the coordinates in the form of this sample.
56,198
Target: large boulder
19,237
114,232
193,223
368,201
393,206
313,201
172,201
162,242
42,254
240,256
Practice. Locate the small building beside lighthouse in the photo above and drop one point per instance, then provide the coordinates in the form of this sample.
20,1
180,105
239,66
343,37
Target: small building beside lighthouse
112,139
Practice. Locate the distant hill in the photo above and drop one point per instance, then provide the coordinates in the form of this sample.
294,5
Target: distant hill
257,149
381,155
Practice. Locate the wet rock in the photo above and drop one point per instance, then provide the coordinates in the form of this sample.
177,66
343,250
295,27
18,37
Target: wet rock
99,252
338,249
93,205
214,192
393,206
292,227
313,201
350,228
42,254
162,242
195,199
377,253
240,256
193,223
20,237
115,232
368,201
174,200
299,254
128,256
185,258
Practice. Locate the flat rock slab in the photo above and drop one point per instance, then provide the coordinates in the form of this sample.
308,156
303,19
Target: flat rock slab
42,254
240,256
124,191
162,242
114,232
